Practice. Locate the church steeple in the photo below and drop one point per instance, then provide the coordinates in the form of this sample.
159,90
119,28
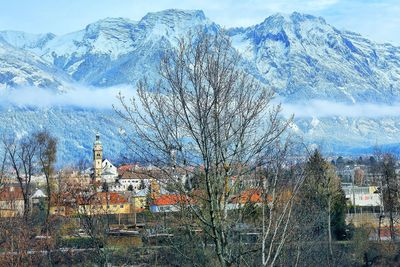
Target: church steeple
97,158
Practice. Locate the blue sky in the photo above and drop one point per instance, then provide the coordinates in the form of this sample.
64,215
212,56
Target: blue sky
377,20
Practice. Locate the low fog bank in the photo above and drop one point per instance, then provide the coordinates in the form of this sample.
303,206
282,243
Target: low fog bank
325,108
79,96
105,98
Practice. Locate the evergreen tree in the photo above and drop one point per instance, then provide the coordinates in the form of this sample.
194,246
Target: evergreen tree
323,203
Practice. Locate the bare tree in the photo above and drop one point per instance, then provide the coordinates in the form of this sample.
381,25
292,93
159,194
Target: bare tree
3,166
22,155
390,190
280,186
47,151
205,111
82,165
92,209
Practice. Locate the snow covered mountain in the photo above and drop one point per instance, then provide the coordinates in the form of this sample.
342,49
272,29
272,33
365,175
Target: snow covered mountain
117,50
25,40
74,128
303,57
300,56
23,68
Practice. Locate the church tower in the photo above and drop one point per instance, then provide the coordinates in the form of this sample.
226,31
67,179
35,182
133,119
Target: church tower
97,158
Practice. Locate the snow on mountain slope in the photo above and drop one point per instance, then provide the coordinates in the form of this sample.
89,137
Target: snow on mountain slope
349,132
303,57
21,68
117,50
28,41
300,56
74,128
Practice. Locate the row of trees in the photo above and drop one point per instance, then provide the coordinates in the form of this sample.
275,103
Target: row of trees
36,238
32,155
22,159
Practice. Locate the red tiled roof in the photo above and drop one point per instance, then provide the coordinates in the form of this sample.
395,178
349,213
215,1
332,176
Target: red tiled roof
248,196
113,198
170,199
255,196
8,193
102,198
134,175
125,168
95,198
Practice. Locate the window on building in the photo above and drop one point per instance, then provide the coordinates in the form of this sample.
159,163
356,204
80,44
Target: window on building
121,206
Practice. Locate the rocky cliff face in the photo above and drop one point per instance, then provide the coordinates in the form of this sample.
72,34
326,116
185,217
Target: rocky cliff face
23,68
303,57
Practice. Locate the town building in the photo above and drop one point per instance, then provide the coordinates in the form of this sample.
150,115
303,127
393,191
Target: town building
131,181
139,200
166,203
109,173
247,197
103,170
104,203
99,203
11,201
97,158
362,196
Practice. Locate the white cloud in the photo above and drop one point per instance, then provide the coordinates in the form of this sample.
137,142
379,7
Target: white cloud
323,108
84,97
104,98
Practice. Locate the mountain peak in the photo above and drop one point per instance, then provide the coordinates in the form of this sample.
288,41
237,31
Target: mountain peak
174,17
110,21
177,13
299,17
171,23
26,40
298,54
109,25
281,19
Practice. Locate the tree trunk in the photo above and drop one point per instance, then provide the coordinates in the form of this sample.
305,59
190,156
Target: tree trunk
330,230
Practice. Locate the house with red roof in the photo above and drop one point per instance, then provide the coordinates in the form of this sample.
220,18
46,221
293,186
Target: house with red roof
92,204
247,197
169,203
11,201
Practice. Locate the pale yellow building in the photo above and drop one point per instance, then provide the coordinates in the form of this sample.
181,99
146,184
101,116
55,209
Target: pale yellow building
11,201
139,200
98,204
